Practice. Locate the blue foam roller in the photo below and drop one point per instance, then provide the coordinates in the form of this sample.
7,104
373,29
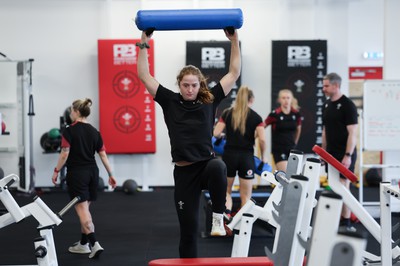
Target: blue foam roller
189,19
260,166
219,146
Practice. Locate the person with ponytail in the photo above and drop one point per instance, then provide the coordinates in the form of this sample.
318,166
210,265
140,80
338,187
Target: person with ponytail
285,123
242,126
189,115
80,141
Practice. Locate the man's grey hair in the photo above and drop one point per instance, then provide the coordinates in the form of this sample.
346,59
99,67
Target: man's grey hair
333,78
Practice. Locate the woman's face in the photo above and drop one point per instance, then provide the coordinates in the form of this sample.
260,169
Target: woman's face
285,99
189,87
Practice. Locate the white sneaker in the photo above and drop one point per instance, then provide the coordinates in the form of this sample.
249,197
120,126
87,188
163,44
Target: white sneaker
96,251
79,248
351,229
218,228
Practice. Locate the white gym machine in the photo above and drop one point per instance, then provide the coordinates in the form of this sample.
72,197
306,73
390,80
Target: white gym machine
45,251
335,168
328,246
242,223
288,209
387,192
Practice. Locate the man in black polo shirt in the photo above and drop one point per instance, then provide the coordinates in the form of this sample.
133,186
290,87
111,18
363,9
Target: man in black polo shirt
339,135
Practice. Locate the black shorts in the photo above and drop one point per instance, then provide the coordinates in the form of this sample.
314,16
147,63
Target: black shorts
240,162
281,155
83,182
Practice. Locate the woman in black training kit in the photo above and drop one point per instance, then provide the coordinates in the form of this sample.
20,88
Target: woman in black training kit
242,126
286,123
189,116
80,141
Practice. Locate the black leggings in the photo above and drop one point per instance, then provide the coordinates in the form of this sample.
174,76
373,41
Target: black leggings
189,182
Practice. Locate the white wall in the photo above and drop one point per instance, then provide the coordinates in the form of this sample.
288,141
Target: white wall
61,35
392,72
366,33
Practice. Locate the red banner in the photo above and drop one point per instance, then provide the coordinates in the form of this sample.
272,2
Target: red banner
127,113
365,72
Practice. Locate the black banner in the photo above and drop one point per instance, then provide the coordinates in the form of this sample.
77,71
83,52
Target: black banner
300,66
213,58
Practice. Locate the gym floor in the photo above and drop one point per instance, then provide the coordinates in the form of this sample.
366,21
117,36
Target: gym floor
133,229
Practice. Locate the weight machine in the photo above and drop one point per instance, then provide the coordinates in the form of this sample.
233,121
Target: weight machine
390,249
288,209
327,245
45,251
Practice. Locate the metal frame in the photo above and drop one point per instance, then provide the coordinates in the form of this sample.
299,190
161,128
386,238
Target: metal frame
24,106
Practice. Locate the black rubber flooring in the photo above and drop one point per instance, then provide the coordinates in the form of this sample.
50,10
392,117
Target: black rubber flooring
133,229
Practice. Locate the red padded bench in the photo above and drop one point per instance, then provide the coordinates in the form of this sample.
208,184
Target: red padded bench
335,163
248,261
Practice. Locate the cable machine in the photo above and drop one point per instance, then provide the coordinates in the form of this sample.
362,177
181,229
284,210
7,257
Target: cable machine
17,109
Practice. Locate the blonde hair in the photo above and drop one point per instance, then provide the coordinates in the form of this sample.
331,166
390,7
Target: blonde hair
294,103
204,95
241,109
83,106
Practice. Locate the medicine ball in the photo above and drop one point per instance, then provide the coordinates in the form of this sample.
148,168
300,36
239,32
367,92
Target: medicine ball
129,186
54,133
43,139
373,177
50,144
